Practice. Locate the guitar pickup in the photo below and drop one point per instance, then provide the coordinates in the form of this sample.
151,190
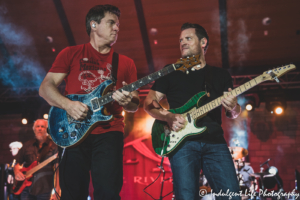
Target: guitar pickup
95,104
189,117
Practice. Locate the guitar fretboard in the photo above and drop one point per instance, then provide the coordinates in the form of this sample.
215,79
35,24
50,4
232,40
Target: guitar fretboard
41,165
217,102
139,83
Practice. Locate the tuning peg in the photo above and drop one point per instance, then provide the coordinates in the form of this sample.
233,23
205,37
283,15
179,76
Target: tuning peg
187,72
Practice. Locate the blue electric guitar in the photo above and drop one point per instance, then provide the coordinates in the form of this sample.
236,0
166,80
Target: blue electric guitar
165,141
66,131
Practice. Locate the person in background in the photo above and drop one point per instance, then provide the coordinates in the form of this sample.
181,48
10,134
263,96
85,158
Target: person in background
14,148
38,149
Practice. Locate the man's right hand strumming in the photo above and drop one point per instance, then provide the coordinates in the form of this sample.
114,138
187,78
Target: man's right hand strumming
175,121
76,109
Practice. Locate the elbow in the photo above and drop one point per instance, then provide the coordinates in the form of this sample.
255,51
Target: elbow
41,90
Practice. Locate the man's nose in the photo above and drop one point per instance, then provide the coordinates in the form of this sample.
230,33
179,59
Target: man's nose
116,28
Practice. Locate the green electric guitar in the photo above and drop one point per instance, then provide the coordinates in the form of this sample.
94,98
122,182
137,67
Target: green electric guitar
164,140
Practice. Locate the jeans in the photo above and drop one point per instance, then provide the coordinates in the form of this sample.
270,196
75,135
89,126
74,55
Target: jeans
102,155
25,195
216,162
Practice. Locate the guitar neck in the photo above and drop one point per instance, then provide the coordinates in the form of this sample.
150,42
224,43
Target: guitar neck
236,92
139,83
40,166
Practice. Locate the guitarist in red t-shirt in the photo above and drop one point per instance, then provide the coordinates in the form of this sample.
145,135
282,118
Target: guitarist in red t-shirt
84,67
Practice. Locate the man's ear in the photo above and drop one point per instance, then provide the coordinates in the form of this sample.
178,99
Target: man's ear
203,42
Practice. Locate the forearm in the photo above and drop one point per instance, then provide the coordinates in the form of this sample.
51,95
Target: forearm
234,113
153,108
52,95
17,168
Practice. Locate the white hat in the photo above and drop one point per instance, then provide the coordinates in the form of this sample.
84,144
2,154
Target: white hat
16,145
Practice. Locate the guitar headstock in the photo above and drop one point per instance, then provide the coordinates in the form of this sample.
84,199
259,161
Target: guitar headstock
277,72
183,64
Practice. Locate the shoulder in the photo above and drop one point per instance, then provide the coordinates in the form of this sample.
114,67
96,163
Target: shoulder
28,144
125,59
220,73
75,48
218,69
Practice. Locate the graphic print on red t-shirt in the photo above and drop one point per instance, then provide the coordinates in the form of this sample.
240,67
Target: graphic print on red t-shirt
89,80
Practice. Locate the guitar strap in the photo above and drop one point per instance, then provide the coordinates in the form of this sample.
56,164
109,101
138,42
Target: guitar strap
208,80
114,70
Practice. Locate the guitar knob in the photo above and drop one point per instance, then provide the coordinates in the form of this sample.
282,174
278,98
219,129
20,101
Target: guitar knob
173,135
61,130
187,72
65,135
77,126
73,133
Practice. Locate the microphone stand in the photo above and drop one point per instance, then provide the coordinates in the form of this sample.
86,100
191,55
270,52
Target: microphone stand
161,167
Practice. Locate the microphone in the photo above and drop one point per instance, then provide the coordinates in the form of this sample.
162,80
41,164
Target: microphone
265,162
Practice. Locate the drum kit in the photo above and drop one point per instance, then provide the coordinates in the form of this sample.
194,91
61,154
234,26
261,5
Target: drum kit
246,177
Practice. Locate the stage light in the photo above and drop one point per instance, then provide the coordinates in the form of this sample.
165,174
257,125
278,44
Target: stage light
24,121
123,113
276,107
45,116
249,107
279,110
28,115
250,102
266,21
153,31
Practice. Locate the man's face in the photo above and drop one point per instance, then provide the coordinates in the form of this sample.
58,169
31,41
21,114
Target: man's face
189,43
108,28
40,129
14,151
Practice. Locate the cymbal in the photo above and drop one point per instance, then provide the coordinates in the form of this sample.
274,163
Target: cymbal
262,174
238,152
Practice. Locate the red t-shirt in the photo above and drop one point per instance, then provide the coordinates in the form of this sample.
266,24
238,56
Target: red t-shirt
86,69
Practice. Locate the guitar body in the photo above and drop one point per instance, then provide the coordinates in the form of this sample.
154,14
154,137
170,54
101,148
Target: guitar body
161,131
66,132
20,185
165,141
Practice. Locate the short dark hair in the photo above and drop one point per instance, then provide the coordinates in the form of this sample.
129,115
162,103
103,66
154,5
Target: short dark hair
96,13
199,30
